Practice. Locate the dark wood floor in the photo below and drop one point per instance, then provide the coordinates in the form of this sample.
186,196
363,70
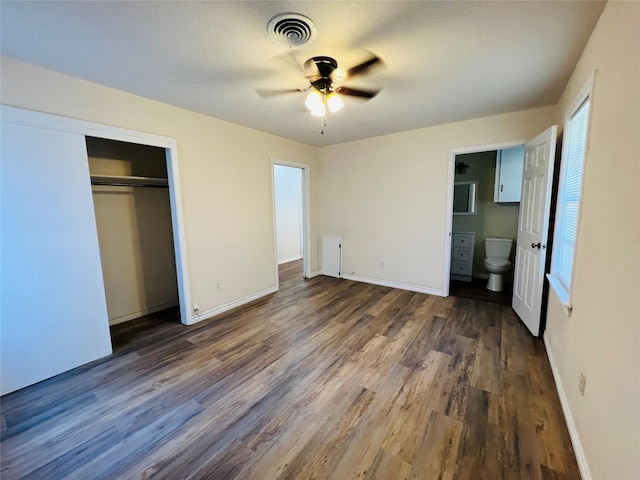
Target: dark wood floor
476,289
325,379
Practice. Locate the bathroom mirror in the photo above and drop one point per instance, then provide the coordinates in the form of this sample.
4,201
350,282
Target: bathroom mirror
465,198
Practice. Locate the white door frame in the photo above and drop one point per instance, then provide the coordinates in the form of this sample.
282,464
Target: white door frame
446,280
59,123
306,216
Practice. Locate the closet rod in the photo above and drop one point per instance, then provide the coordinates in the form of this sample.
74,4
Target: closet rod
129,181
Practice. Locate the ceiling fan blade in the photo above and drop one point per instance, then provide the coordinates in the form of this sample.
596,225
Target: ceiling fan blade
290,59
273,93
357,92
365,67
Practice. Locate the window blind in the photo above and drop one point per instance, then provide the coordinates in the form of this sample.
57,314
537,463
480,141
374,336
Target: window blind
569,195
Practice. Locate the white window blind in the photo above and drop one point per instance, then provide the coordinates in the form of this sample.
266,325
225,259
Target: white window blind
568,204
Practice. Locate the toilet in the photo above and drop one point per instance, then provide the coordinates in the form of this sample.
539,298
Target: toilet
497,262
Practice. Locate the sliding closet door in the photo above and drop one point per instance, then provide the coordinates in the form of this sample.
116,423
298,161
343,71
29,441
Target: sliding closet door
53,314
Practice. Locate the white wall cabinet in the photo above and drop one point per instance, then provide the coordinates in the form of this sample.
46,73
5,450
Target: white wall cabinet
462,246
509,166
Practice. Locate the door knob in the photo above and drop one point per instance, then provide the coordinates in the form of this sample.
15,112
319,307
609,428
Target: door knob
536,245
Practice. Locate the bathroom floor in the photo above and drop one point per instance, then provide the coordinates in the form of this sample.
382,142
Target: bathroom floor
477,290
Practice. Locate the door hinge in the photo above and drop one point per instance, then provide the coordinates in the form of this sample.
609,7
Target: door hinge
340,245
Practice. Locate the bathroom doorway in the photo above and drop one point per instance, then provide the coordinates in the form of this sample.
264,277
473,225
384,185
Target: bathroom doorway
486,205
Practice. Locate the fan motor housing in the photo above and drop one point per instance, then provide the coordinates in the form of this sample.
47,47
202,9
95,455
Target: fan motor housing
318,71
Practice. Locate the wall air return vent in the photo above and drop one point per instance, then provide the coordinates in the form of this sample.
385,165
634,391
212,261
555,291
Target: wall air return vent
292,29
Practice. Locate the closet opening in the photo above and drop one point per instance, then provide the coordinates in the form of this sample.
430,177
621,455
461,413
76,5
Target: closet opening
133,214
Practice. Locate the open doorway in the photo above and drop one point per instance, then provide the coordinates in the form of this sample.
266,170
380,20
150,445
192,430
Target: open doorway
484,226
291,217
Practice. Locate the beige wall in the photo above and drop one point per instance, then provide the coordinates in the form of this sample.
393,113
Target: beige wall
387,196
602,336
224,173
493,219
134,231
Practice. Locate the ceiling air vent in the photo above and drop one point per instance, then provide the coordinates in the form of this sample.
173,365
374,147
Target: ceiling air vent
292,29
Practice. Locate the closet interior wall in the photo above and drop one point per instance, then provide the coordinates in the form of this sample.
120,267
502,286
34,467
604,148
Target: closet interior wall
134,230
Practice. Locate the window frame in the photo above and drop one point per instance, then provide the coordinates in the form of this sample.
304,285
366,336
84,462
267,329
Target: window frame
564,291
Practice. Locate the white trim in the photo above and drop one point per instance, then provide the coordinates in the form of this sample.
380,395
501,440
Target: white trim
402,286
446,276
315,273
59,123
448,229
141,313
231,305
272,176
583,465
561,294
179,240
290,259
306,214
47,121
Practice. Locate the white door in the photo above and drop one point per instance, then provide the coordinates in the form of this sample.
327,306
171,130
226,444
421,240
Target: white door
54,314
331,256
533,228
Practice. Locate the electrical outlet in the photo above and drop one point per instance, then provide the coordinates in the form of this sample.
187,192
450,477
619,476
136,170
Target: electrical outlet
218,286
381,264
583,382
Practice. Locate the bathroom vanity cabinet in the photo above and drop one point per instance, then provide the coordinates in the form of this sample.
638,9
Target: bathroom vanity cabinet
462,244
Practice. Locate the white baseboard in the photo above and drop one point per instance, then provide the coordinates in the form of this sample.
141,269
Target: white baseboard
290,259
141,313
315,273
231,305
402,286
585,472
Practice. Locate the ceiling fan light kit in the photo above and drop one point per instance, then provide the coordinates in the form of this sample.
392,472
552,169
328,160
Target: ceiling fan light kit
334,102
321,72
315,103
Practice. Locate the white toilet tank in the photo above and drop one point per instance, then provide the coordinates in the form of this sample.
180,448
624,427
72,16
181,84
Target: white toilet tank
498,247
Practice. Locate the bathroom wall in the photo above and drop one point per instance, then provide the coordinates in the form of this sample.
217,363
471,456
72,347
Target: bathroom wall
493,219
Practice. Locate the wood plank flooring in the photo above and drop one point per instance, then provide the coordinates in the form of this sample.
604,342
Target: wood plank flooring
326,379
477,290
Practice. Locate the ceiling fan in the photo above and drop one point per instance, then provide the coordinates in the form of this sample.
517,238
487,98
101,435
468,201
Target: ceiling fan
325,84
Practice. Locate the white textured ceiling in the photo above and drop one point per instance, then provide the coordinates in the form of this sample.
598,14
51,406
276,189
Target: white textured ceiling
446,61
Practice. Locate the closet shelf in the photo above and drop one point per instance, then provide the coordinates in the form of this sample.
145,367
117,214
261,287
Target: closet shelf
128,181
